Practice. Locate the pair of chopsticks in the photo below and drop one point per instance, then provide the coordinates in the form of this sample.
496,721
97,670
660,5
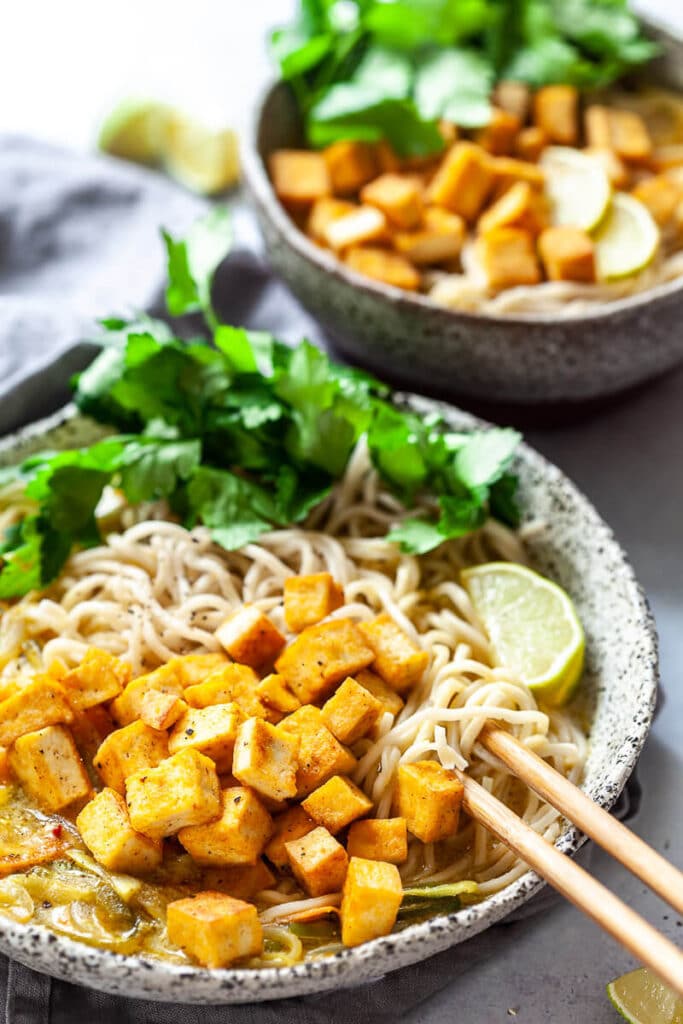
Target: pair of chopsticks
585,892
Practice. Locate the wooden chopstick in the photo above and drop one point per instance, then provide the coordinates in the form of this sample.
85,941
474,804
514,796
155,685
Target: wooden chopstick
580,888
626,847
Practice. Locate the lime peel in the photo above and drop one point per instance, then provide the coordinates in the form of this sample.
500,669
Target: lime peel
641,998
626,240
577,186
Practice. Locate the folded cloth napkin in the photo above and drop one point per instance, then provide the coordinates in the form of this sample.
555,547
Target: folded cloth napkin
79,238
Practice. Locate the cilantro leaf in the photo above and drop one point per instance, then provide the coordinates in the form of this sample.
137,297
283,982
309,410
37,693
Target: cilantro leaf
193,261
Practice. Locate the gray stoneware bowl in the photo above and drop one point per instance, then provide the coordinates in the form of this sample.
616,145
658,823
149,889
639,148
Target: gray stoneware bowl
532,359
577,549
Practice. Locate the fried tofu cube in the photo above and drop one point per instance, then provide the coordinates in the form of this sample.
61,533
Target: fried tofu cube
100,677
387,697
568,254
596,121
398,196
49,768
515,97
440,239
323,212
351,712
379,839
321,755
192,669
321,656
350,165
129,750
398,659
318,862
508,258
5,770
556,112
291,824
623,131
238,836
250,637
90,729
211,730
666,158
519,207
530,143
128,706
308,599
660,195
381,265
274,692
34,706
181,791
463,181
364,224
299,176
429,797
214,929
265,758
161,710
388,160
337,803
242,881
107,832
498,136
508,171
231,682
371,897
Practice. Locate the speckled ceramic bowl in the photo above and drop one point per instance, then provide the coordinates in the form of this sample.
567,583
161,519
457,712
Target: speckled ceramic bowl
533,359
575,548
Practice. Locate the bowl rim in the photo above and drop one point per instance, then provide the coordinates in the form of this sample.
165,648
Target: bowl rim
26,942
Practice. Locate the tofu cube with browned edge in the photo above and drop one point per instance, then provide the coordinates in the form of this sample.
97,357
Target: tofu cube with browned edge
398,659
521,206
508,258
238,836
321,657
321,755
530,143
99,677
129,705
661,196
161,710
350,164
308,599
383,265
387,697
192,669
211,730
351,712
275,693
226,684
291,824
250,637
323,212
299,176
106,830
439,239
567,254
379,839
5,770
371,898
508,171
318,862
214,929
265,758
363,224
498,136
429,797
463,181
556,113
398,196
242,881
622,131
34,706
49,768
337,803
181,791
129,750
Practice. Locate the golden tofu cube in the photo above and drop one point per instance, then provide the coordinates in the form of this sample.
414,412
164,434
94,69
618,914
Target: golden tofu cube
274,692
498,136
387,697
509,171
556,112
530,143
49,768
242,881
463,181
161,710
337,803
429,797
387,158
5,770
214,929
666,158
361,225
398,659
291,824
230,683
321,657
265,758
567,254
321,755
520,207
398,196
308,599
323,212
318,862
660,195
379,839
181,791
515,97
238,836
194,668
382,265
90,729
99,677
211,730
128,707
250,637
129,750
371,898
350,164
351,712
508,258
440,239
299,176
39,703
623,131
107,832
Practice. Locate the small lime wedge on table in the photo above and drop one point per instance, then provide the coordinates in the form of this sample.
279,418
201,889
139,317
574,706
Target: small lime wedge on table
626,239
641,998
577,186
136,131
203,160
532,626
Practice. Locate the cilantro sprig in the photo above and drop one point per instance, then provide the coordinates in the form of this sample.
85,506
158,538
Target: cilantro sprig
242,435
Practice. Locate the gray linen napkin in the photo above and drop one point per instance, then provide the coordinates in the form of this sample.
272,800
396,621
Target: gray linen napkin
79,239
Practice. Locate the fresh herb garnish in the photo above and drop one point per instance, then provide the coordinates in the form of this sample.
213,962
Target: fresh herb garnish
389,69
243,435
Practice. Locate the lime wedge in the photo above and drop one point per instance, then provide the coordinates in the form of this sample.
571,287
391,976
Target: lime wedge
136,131
641,998
576,185
532,625
204,161
626,239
